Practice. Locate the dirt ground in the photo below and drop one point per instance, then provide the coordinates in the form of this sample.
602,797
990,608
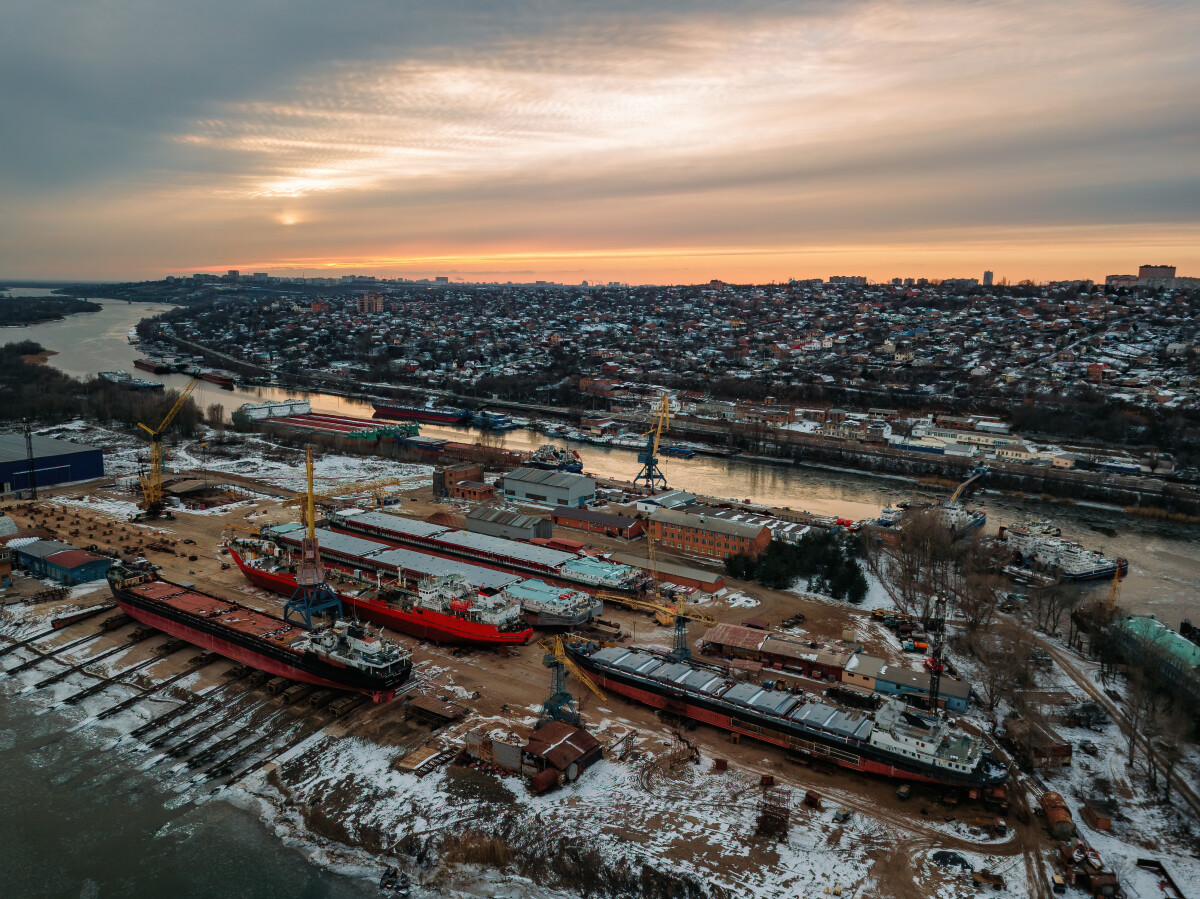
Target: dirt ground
497,686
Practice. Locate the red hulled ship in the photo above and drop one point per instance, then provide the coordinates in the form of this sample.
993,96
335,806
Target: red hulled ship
446,609
344,656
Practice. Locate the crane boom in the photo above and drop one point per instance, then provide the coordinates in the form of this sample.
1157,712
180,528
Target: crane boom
152,489
555,648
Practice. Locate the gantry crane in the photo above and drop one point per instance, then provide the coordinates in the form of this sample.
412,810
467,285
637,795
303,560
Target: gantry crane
679,615
152,481
560,705
313,595
651,475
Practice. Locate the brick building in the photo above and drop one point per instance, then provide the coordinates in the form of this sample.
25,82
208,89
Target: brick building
597,522
700,535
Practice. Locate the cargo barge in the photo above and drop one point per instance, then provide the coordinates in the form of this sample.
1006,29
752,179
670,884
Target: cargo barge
438,414
345,656
153,366
892,742
445,609
220,378
543,605
571,569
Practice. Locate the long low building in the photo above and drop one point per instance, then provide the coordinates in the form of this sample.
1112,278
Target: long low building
783,652
703,535
869,673
594,522
509,555
54,462
789,653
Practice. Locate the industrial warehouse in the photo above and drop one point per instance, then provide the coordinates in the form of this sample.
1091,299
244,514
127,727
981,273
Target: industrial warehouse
35,461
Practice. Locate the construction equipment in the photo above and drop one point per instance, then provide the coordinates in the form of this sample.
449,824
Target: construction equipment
678,615
651,475
313,595
152,481
560,705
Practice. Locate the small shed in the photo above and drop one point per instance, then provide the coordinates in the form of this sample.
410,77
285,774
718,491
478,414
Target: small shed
1037,743
562,748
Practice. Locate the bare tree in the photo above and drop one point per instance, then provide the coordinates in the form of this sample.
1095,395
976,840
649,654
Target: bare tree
216,416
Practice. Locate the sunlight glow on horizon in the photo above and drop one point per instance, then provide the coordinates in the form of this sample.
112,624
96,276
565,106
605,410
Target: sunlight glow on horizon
671,145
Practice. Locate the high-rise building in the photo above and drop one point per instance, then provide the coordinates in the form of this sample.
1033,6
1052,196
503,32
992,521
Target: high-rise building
987,279
1148,272
371,301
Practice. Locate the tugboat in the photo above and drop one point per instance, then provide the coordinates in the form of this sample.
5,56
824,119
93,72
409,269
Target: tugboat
555,458
344,655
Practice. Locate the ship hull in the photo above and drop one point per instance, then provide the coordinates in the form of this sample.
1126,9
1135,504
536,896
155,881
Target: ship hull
549,620
861,758
423,623
240,648
573,467
224,381
405,413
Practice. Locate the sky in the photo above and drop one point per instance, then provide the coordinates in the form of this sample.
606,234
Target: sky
666,142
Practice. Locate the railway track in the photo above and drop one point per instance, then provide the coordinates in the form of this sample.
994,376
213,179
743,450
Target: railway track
1066,662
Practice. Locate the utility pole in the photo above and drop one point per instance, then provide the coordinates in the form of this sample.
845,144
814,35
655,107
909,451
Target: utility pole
29,452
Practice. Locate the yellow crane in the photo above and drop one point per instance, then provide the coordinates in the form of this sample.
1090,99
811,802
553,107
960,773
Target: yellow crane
152,481
559,706
651,475
1114,594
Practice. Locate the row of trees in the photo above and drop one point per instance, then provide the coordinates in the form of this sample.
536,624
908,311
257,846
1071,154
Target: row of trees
42,393
826,560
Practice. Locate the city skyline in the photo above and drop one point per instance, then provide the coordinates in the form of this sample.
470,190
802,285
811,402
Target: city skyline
674,145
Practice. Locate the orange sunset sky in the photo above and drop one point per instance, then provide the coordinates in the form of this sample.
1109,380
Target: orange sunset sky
672,142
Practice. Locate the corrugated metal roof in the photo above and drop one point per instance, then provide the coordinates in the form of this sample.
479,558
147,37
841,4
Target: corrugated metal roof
332,541
13,449
74,558
396,523
496,515
706,523
746,638
423,563
40,549
511,548
8,527
591,515
547,478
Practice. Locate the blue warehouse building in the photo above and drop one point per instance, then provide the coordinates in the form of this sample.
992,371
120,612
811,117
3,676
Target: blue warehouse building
54,462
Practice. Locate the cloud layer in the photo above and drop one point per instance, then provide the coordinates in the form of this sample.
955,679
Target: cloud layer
739,141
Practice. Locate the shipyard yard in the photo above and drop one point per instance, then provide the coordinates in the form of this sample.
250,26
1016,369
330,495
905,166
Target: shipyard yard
665,807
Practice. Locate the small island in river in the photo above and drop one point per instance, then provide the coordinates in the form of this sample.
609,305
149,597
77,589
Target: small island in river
34,310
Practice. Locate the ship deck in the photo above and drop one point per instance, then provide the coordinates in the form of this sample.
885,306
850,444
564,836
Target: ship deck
232,616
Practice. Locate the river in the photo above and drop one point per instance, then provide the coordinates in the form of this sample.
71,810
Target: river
76,821
1164,557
